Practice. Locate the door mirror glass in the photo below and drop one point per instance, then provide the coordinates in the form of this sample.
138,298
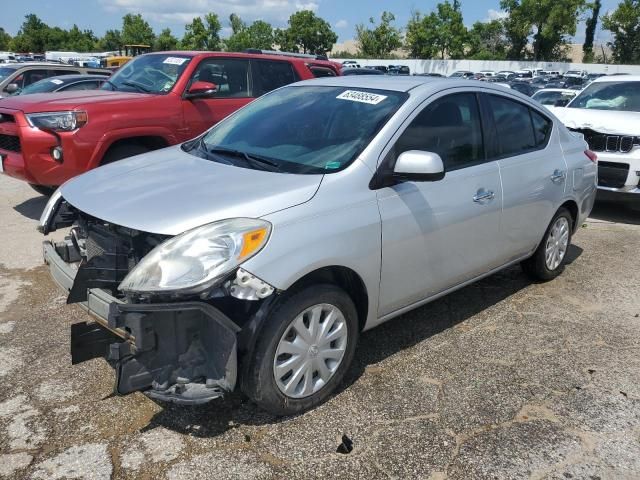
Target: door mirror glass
202,90
12,88
419,166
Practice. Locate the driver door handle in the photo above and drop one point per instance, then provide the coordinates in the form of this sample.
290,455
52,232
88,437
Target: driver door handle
483,195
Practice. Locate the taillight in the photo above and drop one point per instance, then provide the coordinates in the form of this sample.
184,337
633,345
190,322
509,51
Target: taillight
591,156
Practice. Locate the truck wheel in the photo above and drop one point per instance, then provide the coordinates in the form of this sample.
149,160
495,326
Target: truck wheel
43,190
549,259
304,350
120,152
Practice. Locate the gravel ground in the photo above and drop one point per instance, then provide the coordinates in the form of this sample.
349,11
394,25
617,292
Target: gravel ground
503,379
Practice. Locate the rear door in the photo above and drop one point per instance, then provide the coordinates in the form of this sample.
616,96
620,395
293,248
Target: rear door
232,76
532,168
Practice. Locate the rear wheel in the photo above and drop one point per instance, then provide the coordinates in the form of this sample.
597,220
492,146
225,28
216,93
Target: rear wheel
548,261
303,351
120,152
43,189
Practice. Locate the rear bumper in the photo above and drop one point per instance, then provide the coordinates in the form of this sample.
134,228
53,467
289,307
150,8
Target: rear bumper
624,195
178,352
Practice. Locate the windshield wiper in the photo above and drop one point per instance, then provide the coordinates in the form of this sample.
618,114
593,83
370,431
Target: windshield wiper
137,85
248,157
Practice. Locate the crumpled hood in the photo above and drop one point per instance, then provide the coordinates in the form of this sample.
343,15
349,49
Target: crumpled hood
603,121
58,101
170,191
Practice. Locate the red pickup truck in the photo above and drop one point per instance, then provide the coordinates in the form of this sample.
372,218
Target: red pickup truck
154,101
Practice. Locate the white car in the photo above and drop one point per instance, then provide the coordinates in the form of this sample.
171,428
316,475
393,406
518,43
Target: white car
487,73
576,73
607,113
350,64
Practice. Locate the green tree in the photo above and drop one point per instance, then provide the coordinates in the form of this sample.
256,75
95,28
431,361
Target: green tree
257,35
440,33
307,33
592,22
57,39
379,40
486,41
517,28
112,41
202,35
624,24
551,21
32,36
165,41
136,30
5,39
80,40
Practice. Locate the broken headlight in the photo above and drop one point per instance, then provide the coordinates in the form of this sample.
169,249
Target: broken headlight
195,260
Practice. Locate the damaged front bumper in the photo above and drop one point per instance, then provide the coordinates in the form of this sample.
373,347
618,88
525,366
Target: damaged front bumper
177,352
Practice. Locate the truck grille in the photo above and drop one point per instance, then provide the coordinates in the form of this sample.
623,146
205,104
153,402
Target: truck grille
10,142
611,174
600,142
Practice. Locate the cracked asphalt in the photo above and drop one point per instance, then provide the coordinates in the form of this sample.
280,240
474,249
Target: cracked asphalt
504,379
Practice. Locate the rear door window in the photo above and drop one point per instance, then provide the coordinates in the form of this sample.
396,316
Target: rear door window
269,75
64,72
514,127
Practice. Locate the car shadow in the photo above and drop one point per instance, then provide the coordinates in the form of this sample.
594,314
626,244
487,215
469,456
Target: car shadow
615,212
33,207
375,345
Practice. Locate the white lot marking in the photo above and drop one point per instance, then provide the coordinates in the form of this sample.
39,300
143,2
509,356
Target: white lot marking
7,327
11,462
10,359
52,391
25,429
9,291
157,445
90,461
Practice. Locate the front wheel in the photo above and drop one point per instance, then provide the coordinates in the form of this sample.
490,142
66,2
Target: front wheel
549,259
304,350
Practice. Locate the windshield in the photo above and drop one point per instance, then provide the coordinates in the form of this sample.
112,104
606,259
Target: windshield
309,130
622,96
42,86
155,73
550,98
6,72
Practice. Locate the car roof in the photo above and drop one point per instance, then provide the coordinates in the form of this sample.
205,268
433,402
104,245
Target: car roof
76,77
249,55
561,90
378,82
618,78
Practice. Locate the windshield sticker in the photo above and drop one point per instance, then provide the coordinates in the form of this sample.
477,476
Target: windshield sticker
174,60
362,97
332,165
56,81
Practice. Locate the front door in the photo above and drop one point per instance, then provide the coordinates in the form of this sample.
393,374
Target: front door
436,235
233,80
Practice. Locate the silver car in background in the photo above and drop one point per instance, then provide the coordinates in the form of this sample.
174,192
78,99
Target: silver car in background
254,255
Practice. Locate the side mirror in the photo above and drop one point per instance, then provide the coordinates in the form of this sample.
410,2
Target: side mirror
12,88
418,166
561,102
201,90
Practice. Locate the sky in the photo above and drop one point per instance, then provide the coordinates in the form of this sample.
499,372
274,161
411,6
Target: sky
344,15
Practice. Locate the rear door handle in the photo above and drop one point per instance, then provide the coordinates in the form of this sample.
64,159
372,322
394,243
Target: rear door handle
483,195
558,176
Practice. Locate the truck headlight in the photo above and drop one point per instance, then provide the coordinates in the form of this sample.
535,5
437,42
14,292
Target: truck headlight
195,260
58,121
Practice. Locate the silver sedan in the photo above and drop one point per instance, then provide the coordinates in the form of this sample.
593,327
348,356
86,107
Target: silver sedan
255,254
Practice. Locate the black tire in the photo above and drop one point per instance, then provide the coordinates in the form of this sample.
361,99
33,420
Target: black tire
536,266
43,189
120,152
260,383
